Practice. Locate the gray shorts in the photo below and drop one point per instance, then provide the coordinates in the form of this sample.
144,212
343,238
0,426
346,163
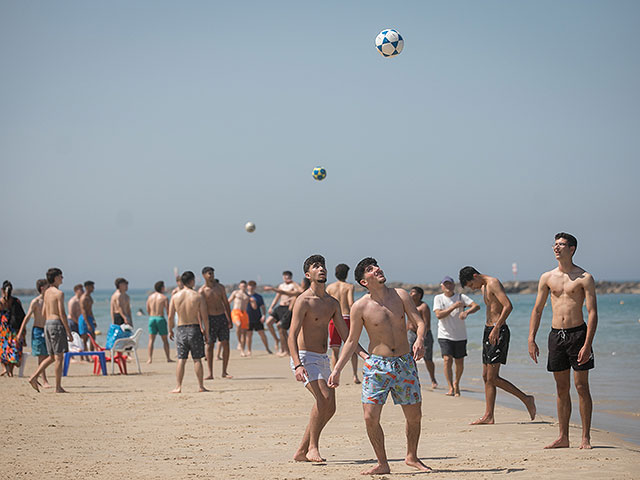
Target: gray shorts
189,339
428,343
55,336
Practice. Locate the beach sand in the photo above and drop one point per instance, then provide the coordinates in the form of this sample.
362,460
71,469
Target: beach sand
249,426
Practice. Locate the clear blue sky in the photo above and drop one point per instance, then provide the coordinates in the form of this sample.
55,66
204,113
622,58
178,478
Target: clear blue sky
139,136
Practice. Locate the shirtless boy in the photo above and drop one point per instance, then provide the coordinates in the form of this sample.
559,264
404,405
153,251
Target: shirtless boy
157,307
192,331
219,317
343,292
239,315
495,342
38,343
74,309
281,315
56,329
121,304
313,310
391,367
416,293
570,338
86,321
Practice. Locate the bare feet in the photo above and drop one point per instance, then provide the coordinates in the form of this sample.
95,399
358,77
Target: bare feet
586,444
456,390
434,385
281,354
485,420
34,383
202,389
300,456
219,357
60,390
269,352
377,470
170,361
531,406
249,353
242,354
46,385
149,361
356,380
210,377
177,390
417,463
226,375
313,455
449,393
559,443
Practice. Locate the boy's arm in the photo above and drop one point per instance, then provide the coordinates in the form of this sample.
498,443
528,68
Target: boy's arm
536,315
350,344
23,326
296,325
592,310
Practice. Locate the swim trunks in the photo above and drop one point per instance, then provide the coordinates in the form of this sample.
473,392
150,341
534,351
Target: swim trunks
453,348
564,346
428,343
316,365
218,328
335,340
189,339
240,318
118,319
38,342
282,314
255,314
497,353
397,375
55,337
83,329
158,325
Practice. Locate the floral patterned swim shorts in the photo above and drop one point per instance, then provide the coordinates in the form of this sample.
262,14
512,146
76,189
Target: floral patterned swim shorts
397,375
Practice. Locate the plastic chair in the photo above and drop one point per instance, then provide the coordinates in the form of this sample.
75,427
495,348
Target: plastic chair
120,359
129,344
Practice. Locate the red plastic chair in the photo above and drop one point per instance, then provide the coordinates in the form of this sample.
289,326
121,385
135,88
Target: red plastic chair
119,358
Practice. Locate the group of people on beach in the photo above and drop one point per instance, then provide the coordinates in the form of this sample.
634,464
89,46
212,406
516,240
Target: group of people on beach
314,317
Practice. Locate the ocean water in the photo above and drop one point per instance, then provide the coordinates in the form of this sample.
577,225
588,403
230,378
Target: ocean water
615,382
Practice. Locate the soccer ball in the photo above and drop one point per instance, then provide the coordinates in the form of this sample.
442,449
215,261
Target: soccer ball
319,173
389,42
250,227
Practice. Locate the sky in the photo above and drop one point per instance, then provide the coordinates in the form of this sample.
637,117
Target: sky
139,136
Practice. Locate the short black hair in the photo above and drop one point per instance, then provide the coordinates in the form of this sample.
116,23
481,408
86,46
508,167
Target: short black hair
287,272
306,283
242,281
120,281
207,269
311,260
52,273
466,275
187,277
419,290
8,287
159,285
89,283
571,240
42,282
362,266
342,271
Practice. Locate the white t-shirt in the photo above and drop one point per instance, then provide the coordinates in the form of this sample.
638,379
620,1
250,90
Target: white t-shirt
451,327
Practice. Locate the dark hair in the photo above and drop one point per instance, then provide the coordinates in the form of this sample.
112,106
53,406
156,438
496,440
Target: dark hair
242,281
52,273
158,286
8,286
41,283
77,287
119,281
187,277
179,279
287,272
571,240
311,260
252,283
466,275
207,269
89,283
341,271
362,266
306,283
419,290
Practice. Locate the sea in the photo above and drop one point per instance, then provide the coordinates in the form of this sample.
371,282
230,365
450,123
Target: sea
615,381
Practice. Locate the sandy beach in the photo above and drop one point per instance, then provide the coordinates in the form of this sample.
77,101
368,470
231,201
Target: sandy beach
249,426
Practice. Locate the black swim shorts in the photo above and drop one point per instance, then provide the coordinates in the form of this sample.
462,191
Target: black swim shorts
189,339
453,348
495,353
283,316
564,346
218,328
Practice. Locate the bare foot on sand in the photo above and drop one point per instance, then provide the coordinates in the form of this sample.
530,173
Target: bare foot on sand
300,456
281,354
226,375
149,361
485,420
34,383
449,393
177,390
356,380
313,455
170,361
434,385
559,443
269,352
531,406
60,390
456,390
219,357
249,353
586,444
46,385
416,463
377,470
202,389
210,377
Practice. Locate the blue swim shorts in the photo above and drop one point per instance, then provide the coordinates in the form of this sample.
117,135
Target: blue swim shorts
397,375
38,343
82,325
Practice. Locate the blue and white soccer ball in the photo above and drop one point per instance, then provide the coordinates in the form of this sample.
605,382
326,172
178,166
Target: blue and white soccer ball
389,42
319,173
